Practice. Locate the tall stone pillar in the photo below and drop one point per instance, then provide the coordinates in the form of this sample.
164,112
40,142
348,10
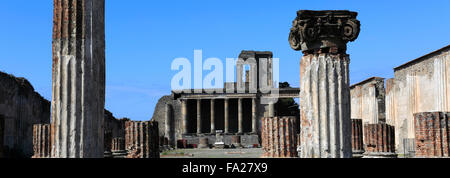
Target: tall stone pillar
184,116
213,117
199,116
78,82
324,84
254,113
240,117
227,116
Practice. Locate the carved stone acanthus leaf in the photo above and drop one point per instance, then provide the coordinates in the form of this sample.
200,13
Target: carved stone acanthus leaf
314,30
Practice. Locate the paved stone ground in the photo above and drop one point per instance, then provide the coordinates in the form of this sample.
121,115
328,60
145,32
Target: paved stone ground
213,153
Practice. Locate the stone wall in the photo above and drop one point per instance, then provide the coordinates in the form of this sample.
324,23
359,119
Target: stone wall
379,140
159,115
432,134
421,85
279,137
21,107
42,143
114,128
368,100
141,139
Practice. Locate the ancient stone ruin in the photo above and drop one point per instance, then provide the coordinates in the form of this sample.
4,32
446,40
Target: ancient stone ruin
142,139
324,81
20,108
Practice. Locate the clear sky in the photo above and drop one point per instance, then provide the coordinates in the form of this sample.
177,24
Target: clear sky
143,37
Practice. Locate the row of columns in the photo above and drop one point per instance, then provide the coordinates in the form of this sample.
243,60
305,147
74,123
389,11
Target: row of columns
226,114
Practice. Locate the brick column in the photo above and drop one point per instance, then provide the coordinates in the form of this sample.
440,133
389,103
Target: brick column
142,139
432,130
78,83
324,83
357,138
379,141
42,144
184,119
213,117
254,119
227,116
240,117
279,137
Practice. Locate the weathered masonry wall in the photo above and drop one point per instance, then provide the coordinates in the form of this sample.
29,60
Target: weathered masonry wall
422,85
368,100
142,139
379,140
279,137
20,108
432,134
357,137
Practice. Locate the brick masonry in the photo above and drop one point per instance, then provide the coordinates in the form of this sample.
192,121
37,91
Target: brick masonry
357,137
42,143
118,144
379,139
432,134
279,137
142,139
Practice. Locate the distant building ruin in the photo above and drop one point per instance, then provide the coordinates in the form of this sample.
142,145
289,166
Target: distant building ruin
192,116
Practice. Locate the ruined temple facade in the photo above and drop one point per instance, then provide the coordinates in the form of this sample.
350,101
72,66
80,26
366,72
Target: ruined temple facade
235,110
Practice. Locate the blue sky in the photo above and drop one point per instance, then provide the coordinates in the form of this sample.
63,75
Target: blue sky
143,37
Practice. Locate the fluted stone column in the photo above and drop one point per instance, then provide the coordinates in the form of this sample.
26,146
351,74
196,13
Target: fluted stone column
199,116
213,117
254,113
184,116
271,110
324,84
227,116
240,117
78,82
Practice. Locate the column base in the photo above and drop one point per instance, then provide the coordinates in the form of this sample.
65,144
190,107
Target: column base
380,155
358,154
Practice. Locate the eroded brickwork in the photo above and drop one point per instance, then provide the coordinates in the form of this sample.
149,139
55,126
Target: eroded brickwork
142,139
357,137
279,137
379,139
42,144
432,134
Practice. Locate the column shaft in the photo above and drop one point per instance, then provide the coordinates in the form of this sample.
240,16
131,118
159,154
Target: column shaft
184,116
213,117
240,117
254,112
78,78
325,107
227,116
